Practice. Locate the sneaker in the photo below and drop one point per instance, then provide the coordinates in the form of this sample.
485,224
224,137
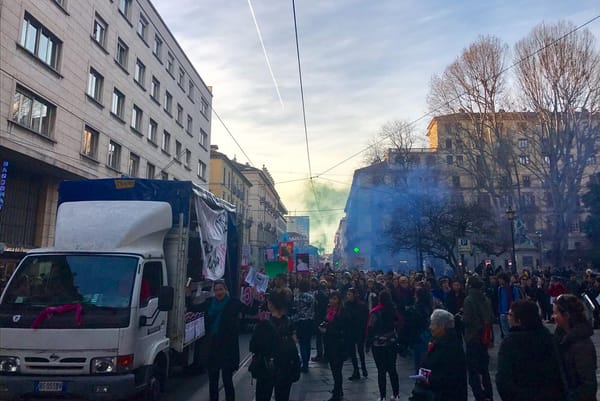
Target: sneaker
355,376
316,358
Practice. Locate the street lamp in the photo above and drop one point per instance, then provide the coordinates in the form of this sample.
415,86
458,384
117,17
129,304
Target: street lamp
510,215
539,235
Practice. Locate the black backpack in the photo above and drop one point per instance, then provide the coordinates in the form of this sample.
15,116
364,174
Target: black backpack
286,357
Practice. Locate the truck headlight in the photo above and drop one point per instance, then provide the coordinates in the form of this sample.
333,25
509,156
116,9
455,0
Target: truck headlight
9,364
106,364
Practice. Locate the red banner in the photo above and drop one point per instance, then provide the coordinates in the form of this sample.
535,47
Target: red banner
286,254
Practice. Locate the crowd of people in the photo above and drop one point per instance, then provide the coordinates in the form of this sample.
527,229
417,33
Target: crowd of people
444,325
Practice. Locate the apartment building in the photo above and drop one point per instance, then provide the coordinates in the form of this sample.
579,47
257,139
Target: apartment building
228,183
266,212
91,89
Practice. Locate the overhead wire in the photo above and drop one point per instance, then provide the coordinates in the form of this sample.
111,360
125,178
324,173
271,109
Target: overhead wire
437,109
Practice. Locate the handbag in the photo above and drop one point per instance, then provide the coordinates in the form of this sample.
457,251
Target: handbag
486,335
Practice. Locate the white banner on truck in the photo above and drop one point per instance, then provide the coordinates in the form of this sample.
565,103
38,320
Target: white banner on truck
213,234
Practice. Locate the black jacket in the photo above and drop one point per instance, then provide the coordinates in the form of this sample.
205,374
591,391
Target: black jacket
357,314
223,350
529,367
578,356
335,338
446,360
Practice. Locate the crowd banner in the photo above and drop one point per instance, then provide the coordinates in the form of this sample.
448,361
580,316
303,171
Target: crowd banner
213,234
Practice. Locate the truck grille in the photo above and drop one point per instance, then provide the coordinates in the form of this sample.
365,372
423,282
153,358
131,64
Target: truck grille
67,364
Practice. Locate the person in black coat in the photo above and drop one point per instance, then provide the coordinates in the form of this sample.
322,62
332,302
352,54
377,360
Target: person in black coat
265,335
445,365
358,314
335,331
528,362
577,351
222,322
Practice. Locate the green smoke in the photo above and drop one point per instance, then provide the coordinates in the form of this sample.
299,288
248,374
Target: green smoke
325,203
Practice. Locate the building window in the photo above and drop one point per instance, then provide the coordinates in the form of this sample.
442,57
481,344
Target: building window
114,155
201,169
523,144
191,90
204,108
136,118
95,84
118,103
526,181
459,160
33,112
157,48
190,124
40,42
456,181
524,159
89,142
449,159
203,139
179,114
142,27
170,63
122,53
152,129
155,89
166,142
168,102
181,77
139,74
134,165
448,144
125,7
150,170
188,158
164,175
100,28
177,150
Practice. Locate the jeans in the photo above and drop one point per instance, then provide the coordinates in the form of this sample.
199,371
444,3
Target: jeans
304,330
336,364
478,361
360,346
504,327
385,360
319,343
264,389
213,383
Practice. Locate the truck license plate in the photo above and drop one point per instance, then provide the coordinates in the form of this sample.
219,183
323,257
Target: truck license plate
50,387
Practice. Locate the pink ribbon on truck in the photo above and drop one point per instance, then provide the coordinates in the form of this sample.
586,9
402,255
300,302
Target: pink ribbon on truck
49,311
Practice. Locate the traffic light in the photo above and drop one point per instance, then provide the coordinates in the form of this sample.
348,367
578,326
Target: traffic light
356,249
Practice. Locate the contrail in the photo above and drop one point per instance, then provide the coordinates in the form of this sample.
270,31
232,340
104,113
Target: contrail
265,52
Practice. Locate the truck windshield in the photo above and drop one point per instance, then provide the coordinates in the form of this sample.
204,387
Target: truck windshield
51,280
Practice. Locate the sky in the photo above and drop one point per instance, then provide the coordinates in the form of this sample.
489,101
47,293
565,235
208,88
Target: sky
364,63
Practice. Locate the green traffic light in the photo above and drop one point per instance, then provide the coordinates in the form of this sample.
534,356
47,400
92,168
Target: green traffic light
356,249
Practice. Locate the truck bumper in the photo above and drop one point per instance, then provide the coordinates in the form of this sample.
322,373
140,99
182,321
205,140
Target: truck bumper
93,388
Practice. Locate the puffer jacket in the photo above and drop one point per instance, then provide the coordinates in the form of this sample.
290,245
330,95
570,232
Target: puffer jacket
578,356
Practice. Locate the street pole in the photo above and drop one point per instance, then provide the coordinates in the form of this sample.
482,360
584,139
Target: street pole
539,235
510,215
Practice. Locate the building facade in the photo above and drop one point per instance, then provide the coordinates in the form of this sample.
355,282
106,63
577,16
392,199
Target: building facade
228,183
91,89
266,213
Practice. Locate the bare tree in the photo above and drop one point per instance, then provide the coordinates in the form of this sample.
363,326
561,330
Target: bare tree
473,88
559,78
396,137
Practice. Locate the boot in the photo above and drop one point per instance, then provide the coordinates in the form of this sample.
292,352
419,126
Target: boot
355,375
364,371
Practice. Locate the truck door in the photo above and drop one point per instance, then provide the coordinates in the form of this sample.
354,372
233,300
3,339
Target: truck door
154,328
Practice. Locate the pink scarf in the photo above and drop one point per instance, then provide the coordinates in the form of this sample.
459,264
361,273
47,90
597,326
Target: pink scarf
331,313
375,309
54,310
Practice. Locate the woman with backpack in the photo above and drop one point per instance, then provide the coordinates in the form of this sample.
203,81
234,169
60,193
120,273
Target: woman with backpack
381,339
275,364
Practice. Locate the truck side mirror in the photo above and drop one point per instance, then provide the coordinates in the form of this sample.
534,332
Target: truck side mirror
165,298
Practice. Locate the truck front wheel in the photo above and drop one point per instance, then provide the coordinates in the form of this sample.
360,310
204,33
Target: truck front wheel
154,383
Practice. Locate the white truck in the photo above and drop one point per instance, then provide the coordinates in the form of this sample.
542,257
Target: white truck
102,314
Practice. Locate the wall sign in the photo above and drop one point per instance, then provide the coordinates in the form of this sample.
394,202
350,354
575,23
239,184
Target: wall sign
3,175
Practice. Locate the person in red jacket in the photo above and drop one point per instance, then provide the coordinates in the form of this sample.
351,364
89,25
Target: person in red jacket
555,289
